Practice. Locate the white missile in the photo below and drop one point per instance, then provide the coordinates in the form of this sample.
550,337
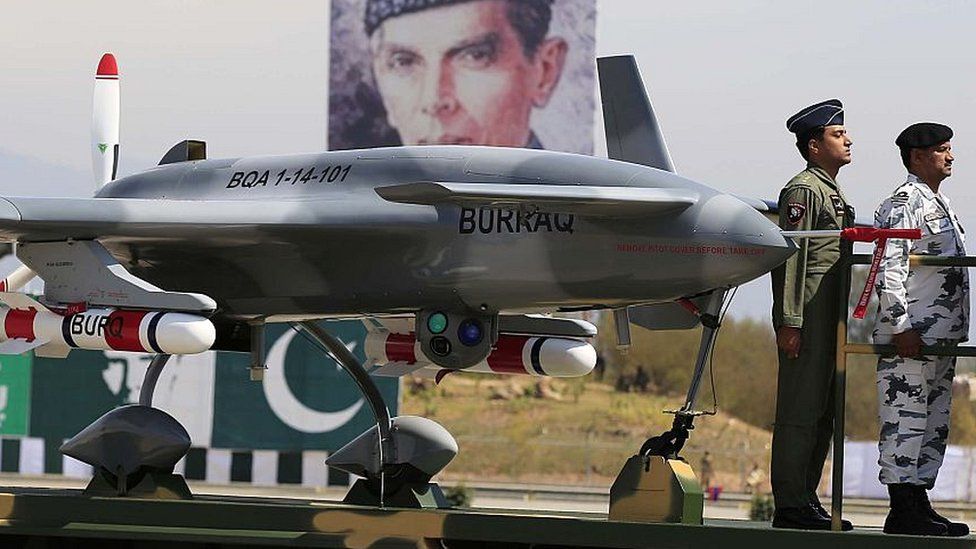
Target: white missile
169,333
17,279
397,354
106,105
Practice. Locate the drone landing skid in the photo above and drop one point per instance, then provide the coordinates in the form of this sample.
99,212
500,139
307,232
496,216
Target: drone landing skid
133,449
398,456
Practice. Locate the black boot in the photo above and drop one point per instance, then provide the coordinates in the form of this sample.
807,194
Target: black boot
955,529
845,525
801,518
908,516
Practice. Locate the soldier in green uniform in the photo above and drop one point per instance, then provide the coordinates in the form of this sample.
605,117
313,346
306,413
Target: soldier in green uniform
806,294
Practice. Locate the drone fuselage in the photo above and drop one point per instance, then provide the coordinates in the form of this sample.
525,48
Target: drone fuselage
321,241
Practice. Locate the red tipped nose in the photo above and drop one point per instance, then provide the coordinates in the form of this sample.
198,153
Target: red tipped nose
107,66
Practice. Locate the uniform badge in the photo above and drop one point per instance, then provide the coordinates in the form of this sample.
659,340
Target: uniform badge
900,198
839,208
795,212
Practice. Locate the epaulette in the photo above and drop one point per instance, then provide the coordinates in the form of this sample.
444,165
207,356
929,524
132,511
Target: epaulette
803,180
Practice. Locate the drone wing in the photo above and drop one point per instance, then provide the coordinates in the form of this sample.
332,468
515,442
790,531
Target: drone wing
583,199
33,219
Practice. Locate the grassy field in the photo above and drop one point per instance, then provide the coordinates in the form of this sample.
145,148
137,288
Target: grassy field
582,439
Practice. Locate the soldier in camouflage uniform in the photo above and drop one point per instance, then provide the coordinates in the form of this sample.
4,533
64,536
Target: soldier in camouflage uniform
918,306
806,296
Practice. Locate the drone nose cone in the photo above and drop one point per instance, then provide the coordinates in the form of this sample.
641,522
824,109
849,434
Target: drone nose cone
755,244
778,247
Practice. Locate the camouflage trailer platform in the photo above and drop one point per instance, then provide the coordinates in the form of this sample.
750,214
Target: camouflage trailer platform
38,518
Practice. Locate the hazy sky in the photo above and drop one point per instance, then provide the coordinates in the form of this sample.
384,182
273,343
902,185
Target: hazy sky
250,77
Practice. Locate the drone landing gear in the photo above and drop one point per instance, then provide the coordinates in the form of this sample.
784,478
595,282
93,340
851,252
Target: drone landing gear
134,448
398,456
656,484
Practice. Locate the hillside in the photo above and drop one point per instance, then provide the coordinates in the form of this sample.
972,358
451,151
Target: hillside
583,438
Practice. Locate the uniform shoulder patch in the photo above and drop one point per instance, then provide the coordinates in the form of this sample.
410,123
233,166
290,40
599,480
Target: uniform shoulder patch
900,197
839,207
795,212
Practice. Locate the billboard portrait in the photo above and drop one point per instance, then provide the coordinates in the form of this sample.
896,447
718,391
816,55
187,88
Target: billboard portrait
514,73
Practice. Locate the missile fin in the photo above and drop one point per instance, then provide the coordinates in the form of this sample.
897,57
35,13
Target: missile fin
545,326
397,369
17,300
52,350
395,324
20,346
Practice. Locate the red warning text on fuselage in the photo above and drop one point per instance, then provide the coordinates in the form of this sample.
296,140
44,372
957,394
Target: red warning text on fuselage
688,249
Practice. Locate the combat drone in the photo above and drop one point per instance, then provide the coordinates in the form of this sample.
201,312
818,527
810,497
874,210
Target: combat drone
467,243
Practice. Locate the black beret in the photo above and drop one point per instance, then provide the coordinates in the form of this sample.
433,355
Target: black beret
825,113
922,135
378,11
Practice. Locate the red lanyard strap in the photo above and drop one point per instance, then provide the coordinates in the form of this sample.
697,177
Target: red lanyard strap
880,238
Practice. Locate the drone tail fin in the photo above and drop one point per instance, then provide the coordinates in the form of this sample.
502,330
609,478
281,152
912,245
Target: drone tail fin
632,129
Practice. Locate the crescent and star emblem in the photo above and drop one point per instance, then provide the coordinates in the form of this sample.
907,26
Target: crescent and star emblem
287,407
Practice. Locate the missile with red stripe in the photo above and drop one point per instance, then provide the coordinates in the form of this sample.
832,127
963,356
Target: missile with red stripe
513,354
105,329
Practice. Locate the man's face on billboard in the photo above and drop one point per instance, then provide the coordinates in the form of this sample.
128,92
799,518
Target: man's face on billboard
458,74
